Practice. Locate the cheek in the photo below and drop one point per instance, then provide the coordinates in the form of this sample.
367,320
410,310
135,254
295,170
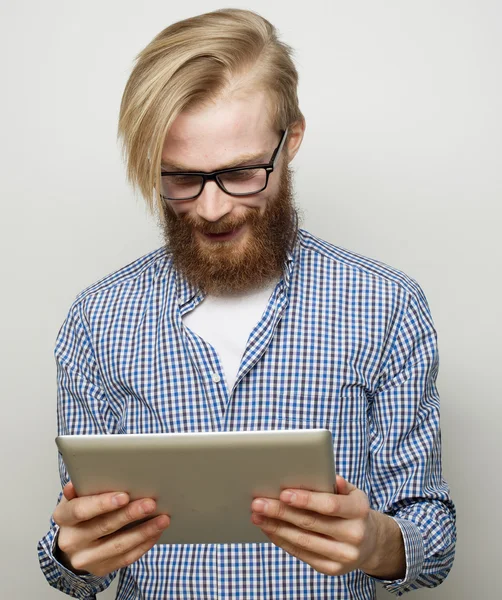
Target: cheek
270,194
181,208
260,201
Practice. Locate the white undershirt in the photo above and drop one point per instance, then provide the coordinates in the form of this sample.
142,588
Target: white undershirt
225,322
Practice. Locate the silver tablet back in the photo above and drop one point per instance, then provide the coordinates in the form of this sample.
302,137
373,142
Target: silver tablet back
204,481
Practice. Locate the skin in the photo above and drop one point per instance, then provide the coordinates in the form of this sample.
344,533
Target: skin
218,135
334,533
89,540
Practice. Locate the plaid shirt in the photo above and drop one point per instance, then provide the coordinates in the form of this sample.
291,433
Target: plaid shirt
345,343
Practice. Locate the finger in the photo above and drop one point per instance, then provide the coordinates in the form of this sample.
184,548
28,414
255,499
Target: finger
110,523
351,531
353,506
111,548
319,551
303,519
86,508
69,491
319,563
343,486
126,559
346,531
311,542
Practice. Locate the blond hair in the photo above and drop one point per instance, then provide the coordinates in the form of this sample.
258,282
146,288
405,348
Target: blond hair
190,62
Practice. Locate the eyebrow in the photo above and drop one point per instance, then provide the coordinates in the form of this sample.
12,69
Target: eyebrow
243,161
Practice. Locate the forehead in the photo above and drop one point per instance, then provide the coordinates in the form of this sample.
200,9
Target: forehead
208,137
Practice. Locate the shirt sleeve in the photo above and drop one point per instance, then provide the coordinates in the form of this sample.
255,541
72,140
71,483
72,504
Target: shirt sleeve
82,408
405,450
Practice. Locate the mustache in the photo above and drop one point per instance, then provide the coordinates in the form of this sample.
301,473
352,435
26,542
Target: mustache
222,226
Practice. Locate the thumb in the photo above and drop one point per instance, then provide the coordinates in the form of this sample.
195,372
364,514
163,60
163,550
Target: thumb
343,486
69,491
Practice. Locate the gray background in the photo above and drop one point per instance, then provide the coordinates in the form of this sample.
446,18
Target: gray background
401,162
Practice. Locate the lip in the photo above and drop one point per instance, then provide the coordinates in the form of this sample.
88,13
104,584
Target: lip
222,237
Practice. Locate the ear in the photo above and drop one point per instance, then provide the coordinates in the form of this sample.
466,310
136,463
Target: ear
295,137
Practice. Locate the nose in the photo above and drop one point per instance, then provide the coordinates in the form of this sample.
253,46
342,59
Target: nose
213,203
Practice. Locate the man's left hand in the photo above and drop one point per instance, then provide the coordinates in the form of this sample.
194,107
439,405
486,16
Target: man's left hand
333,533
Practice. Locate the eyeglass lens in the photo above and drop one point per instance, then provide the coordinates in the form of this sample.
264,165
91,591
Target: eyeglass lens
243,181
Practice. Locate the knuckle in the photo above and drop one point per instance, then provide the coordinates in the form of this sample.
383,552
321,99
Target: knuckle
79,512
332,505
308,521
105,527
66,543
332,569
118,547
79,563
56,516
350,554
303,497
281,511
102,504
303,540
357,534
128,513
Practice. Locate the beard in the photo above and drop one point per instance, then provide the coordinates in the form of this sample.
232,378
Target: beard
228,267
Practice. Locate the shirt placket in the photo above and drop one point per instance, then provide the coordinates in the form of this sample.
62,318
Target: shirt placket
207,364
212,377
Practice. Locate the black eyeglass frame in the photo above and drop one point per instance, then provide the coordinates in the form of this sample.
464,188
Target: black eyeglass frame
213,175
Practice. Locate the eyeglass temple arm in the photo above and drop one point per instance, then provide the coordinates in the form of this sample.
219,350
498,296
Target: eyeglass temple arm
279,149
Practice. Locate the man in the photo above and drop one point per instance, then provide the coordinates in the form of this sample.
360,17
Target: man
243,321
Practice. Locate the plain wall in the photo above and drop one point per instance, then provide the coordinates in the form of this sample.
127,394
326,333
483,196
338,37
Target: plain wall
401,162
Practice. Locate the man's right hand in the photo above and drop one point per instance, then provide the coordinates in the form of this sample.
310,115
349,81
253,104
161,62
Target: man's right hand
89,540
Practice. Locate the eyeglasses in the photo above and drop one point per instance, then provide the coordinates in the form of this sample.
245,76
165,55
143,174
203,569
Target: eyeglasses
236,181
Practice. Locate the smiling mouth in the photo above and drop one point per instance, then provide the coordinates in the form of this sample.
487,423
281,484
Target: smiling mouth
222,237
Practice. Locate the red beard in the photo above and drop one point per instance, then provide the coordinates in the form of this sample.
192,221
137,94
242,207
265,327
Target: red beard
227,267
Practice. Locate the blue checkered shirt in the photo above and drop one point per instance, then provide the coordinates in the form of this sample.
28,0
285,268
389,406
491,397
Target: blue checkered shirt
345,343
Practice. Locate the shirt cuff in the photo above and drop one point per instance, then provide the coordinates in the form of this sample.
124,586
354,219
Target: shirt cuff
77,586
414,552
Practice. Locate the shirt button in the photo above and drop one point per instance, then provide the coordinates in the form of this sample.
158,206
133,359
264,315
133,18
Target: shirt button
215,377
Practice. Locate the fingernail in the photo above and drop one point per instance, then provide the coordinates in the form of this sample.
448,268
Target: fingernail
162,522
288,497
147,507
119,499
259,505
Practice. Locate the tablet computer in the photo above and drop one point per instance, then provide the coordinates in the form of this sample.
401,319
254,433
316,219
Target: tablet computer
204,481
